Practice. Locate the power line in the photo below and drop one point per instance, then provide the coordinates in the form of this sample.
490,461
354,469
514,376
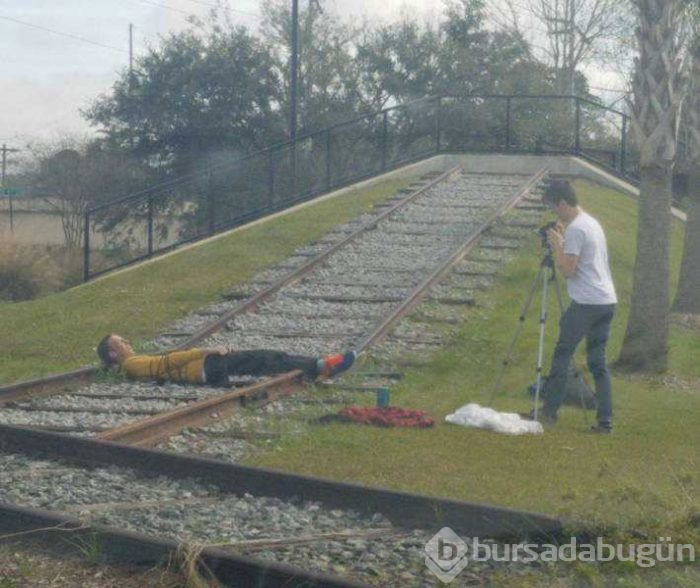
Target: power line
165,7
62,34
203,3
181,11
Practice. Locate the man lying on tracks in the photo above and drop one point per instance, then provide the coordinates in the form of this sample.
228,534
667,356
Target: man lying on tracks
214,366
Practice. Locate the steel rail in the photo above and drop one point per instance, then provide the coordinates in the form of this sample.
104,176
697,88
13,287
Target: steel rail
403,509
48,385
62,533
43,386
152,430
419,292
252,302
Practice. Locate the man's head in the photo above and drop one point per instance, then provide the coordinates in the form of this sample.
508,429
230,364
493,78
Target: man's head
114,349
559,195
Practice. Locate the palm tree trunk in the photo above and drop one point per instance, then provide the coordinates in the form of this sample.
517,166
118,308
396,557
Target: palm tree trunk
645,346
688,295
655,110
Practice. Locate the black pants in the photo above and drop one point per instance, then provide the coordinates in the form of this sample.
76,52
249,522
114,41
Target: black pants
256,362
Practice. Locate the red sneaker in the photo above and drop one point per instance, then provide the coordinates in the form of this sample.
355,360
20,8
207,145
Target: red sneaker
332,365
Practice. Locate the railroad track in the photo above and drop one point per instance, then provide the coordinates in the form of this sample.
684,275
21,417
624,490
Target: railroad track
250,526
346,291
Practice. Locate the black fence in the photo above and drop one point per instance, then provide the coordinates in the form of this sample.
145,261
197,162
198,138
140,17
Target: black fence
224,196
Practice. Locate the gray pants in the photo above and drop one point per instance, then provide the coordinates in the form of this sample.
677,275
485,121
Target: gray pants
591,321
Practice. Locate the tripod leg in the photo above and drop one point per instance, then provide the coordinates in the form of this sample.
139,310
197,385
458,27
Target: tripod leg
540,346
519,328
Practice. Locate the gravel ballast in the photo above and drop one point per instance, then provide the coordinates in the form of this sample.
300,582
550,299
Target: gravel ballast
301,533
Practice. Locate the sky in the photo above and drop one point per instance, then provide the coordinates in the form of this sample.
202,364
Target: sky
59,55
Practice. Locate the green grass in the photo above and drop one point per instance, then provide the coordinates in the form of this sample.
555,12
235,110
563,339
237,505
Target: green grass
59,332
640,482
644,476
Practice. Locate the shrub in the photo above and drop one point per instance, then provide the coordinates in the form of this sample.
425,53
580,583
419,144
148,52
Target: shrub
26,271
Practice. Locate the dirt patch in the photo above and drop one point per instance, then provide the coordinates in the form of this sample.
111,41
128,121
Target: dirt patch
686,321
670,382
685,383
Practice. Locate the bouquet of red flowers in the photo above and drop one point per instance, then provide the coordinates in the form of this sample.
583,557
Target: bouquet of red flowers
389,416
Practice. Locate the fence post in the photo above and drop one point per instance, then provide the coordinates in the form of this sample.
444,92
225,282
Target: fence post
270,177
293,168
211,203
150,225
328,159
12,213
577,148
86,247
438,124
623,144
385,132
508,110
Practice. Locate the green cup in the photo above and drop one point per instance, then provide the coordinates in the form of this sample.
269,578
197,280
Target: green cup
383,397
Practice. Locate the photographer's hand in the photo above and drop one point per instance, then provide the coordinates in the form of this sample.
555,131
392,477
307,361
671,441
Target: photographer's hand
566,263
555,238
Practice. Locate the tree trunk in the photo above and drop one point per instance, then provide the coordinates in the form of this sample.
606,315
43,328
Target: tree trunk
645,346
658,93
688,294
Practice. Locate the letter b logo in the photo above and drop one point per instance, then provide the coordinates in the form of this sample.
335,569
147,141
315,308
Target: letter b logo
446,555
446,551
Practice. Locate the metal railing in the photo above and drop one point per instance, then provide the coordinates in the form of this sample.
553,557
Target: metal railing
220,197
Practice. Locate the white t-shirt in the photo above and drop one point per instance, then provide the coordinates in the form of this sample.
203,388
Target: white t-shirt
591,282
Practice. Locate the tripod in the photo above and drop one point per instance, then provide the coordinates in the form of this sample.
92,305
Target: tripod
545,275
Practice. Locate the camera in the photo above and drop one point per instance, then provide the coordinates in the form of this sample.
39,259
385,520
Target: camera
542,232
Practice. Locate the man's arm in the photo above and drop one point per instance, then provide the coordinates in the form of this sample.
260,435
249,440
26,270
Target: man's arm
565,261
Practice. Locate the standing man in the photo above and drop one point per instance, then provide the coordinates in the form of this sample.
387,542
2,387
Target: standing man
580,253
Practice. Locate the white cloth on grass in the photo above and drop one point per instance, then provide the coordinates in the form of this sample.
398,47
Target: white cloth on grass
473,415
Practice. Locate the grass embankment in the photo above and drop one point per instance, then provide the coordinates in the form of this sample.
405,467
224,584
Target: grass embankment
643,479
59,332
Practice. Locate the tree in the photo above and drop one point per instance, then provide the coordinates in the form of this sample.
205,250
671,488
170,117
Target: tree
74,174
473,59
574,32
654,108
688,294
328,76
398,63
209,92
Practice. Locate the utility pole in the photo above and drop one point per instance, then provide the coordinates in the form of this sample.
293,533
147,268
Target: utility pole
131,84
131,52
5,151
293,70
293,84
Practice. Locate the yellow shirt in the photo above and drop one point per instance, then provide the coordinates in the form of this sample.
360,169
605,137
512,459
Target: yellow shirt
176,366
